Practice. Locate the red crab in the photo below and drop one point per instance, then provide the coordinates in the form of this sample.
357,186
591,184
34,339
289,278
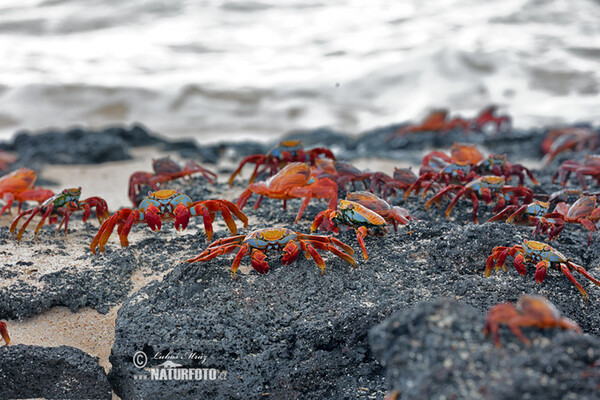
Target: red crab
18,186
391,214
535,214
62,205
583,211
487,121
165,170
4,333
436,121
540,254
530,311
572,138
284,153
364,212
165,205
487,188
590,167
498,165
293,181
281,239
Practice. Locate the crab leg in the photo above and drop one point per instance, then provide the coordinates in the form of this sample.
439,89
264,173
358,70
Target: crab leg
583,272
310,250
361,233
329,247
238,258
453,202
565,270
211,253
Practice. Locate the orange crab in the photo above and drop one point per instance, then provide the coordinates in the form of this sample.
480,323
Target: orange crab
63,204
293,181
165,170
165,205
530,311
281,239
544,257
18,186
4,332
284,153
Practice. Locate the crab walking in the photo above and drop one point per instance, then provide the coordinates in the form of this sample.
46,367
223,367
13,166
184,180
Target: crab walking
166,205
280,239
63,204
542,255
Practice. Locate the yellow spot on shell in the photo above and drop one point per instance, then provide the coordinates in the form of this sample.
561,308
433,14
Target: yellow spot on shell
163,194
273,234
532,244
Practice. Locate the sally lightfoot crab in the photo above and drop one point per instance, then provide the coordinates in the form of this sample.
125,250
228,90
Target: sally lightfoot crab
540,254
530,311
280,239
165,205
63,204
293,181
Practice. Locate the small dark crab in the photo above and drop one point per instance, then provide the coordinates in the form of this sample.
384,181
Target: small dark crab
165,170
62,205
540,254
280,239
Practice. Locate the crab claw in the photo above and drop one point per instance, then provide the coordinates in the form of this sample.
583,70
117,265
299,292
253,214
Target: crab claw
519,264
152,215
258,262
4,332
290,253
182,217
489,266
540,271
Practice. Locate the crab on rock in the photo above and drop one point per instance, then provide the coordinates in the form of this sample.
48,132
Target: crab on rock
63,204
280,239
540,254
293,181
165,170
530,311
165,205
284,153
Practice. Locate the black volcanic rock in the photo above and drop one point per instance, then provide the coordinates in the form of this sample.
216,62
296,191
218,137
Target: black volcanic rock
437,350
50,372
293,333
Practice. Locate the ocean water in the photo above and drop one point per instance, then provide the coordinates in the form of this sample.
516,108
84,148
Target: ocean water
219,70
